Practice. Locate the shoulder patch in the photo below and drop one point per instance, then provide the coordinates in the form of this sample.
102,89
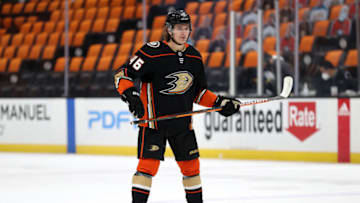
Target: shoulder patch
155,44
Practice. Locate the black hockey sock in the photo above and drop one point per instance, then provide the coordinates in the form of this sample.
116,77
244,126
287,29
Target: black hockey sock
141,184
193,189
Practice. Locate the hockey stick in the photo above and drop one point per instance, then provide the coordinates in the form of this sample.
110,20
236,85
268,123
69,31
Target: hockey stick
287,87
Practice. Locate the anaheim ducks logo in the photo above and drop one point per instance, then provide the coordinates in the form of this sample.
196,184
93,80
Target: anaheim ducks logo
153,148
181,82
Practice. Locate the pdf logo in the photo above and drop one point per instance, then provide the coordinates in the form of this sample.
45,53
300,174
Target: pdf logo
302,119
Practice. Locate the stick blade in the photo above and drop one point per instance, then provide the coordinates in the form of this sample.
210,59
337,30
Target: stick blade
287,87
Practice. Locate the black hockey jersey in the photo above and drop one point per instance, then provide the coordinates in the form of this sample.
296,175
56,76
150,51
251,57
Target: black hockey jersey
170,82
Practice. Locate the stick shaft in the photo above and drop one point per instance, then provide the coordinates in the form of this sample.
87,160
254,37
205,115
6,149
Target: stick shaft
213,109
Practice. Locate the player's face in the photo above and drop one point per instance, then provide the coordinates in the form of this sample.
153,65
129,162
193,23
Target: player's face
181,33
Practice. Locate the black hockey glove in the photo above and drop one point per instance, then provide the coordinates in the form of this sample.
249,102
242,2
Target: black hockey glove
229,105
132,97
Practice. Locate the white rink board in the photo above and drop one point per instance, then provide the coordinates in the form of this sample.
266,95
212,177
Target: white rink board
104,122
33,121
323,140
355,125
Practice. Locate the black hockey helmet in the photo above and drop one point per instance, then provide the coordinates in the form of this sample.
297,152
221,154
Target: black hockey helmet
177,17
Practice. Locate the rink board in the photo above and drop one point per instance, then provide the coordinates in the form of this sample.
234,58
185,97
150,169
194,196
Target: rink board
293,129
33,125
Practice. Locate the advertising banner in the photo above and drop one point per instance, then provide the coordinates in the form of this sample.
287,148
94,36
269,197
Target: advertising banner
33,121
287,125
104,122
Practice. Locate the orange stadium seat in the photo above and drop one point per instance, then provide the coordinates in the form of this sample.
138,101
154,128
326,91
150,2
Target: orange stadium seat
29,7
54,38
62,40
49,52
6,9
169,2
7,22
302,12
267,14
9,52
124,49
249,5
29,39
23,51
41,38
119,61
14,65
5,39
55,15
335,12
269,44
77,4
99,25
351,58
247,30
115,3
90,14
127,36
202,45
49,27
109,50
103,3
18,21
192,7
217,30
74,25
59,65
60,26
41,7
3,64
104,63
237,59
284,28
78,39
236,5
203,17
116,12
220,20
250,60
139,11
155,35
17,39
35,52
94,50
75,64
1,50
89,63
129,12
321,28
334,56
112,25
313,3
194,19
26,27
103,13
85,26
129,3
32,19
216,60
90,3
205,7
159,22
37,27
306,44
156,2
17,8
53,6
79,14
220,7
140,34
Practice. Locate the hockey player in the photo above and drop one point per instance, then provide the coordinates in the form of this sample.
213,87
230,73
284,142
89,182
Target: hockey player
172,79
